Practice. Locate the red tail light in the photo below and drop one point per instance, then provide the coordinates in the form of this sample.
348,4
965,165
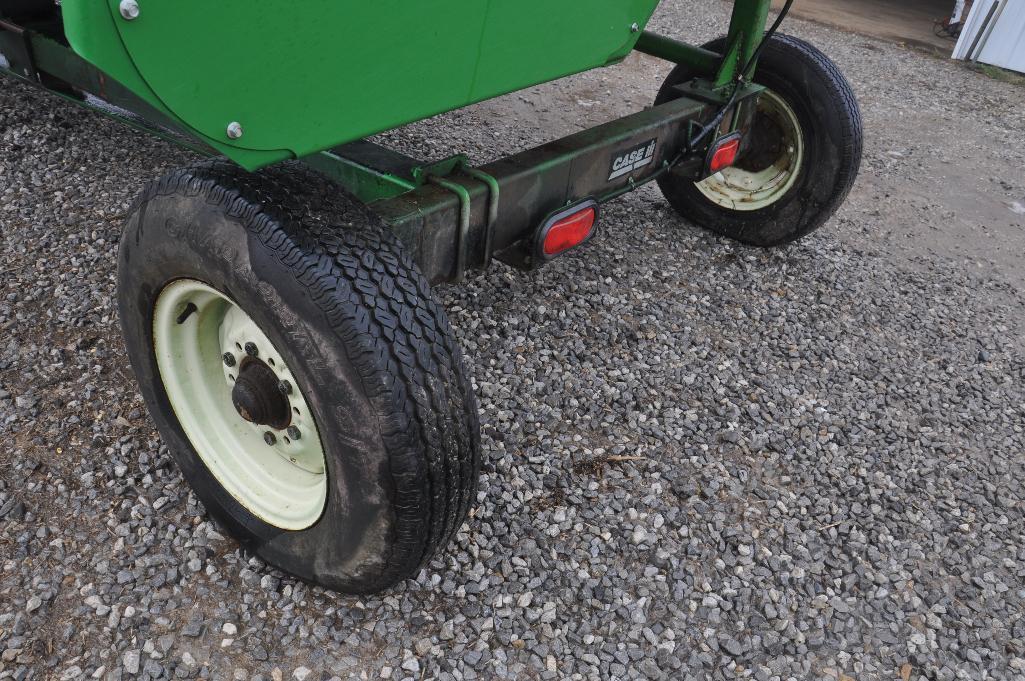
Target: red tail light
567,229
723,153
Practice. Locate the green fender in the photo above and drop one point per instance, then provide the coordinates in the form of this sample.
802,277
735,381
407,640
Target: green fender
301,77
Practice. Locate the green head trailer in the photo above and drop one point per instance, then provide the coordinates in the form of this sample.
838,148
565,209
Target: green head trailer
276,297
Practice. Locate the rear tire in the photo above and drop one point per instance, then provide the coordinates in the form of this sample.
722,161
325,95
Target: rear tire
333,306
809,102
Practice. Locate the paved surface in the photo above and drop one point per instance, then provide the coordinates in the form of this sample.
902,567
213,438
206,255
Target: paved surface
703,460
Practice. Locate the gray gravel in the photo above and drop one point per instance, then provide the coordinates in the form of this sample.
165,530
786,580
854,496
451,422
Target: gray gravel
702,460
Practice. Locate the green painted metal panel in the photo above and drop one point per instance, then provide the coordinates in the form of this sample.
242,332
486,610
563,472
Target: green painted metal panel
91,29
305,76
532,41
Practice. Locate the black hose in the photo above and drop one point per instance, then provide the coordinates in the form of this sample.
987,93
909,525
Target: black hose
717,119
768,35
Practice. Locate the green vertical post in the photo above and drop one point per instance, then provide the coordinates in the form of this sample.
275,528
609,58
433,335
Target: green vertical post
747,27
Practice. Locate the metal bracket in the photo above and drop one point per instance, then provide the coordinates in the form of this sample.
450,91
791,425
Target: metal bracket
704,91
494,192
16,50
440,174
443,168
464,220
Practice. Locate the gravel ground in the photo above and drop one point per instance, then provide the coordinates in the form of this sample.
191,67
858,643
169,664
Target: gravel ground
702,460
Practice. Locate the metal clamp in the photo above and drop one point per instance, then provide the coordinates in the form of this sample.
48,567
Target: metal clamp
494,192
459,164
464,220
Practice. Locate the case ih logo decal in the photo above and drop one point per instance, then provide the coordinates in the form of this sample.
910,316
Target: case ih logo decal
636,157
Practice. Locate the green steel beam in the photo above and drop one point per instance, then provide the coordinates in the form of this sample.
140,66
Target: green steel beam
702,60
747,28
359,179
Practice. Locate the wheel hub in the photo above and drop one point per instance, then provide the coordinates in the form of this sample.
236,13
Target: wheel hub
256,396
771,164
764,145
241,407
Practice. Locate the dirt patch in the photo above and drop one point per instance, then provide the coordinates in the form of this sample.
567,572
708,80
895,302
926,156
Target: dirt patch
908,22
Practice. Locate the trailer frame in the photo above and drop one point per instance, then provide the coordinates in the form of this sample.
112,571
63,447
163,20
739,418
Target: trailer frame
452,216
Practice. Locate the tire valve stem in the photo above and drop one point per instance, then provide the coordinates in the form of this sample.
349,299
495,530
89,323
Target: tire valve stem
269,438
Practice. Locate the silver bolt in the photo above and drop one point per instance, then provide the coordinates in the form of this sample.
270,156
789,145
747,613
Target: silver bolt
634,27
129,9
234,130
294,433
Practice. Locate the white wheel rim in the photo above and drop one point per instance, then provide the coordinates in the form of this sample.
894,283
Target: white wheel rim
746,190
284,484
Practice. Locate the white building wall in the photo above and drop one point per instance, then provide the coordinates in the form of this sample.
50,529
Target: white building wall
1001,41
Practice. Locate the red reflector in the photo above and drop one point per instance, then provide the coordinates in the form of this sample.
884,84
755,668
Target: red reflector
724,154
568,232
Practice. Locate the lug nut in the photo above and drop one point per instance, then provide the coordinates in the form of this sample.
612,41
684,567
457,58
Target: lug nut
251,349
269,438
284,387
294,433
229,359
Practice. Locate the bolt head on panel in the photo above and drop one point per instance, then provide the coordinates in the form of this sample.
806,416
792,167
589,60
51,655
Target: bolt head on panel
129,9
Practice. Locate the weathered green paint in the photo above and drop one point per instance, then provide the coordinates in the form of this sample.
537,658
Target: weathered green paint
747,28
365,183
303,77
465,209
730,65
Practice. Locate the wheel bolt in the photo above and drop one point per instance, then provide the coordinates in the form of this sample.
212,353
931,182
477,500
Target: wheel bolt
269,438
229,359
294,433
251,349
285,388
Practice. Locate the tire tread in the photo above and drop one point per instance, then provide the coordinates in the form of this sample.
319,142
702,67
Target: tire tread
394,331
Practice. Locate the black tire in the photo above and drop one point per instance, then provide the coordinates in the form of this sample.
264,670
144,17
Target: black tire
360,328
830,123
